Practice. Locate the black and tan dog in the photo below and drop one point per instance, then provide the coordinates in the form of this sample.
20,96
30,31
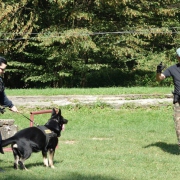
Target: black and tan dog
34,139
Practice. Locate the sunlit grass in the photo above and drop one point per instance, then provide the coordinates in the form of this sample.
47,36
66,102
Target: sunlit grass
106,144
90,91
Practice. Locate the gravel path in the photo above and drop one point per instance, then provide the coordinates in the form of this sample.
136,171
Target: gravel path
116,101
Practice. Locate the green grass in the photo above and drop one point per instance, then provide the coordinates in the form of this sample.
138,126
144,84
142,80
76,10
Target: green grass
90,91
106,144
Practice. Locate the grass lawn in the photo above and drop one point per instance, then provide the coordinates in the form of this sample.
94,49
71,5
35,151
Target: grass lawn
90,91
105,144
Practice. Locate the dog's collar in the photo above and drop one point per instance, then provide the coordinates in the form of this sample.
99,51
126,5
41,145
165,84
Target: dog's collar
54,120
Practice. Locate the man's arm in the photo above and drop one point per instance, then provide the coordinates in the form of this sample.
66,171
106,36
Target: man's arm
8,103
4,101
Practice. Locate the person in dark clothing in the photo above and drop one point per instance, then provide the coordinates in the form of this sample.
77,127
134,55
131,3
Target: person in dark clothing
4,101
174,72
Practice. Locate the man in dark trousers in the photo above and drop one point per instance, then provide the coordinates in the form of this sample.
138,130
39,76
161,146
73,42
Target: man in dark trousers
174,72
4,101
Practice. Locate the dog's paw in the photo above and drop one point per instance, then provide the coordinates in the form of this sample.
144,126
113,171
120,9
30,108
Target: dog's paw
15,166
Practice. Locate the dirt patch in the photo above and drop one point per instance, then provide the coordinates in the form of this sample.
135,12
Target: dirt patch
115,101
101,139
69,142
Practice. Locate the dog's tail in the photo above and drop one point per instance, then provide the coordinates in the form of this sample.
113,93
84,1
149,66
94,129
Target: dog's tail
1,149
7,142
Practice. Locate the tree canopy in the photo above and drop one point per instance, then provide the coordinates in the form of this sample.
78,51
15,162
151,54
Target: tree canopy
87,43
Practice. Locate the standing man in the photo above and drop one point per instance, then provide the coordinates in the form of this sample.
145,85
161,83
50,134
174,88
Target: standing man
4,101
174,72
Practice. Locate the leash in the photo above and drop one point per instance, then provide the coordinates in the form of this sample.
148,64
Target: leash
28,119
2,110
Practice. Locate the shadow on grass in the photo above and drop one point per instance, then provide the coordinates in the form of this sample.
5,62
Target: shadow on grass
169,148
28,165
7,173
70,176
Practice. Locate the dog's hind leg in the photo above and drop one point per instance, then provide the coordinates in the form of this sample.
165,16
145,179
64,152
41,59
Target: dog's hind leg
24,154
21,163
16,155
51,157
16,160
45,159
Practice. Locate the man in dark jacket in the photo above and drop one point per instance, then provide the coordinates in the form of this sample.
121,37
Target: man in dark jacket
4,101
174,72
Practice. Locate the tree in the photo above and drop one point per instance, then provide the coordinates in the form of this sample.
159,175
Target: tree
64,43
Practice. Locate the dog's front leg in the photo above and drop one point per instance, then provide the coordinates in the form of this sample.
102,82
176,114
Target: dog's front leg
51,157
45,159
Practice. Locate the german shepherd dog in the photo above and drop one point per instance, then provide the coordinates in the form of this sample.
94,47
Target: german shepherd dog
34,139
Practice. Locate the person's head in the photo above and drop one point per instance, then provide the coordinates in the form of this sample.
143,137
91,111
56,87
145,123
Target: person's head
3,64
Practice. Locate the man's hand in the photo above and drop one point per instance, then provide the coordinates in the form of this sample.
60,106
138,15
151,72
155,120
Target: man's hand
160,67
2,110
14,109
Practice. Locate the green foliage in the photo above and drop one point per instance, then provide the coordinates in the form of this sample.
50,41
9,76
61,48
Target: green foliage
60,44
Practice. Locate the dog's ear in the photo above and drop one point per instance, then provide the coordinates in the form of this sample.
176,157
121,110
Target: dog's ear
59,112
53,112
